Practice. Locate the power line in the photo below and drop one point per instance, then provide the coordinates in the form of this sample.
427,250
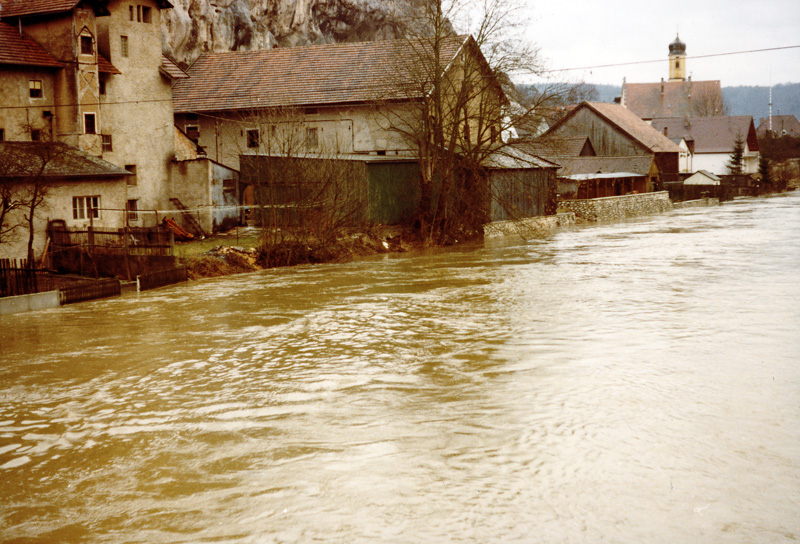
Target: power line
662,60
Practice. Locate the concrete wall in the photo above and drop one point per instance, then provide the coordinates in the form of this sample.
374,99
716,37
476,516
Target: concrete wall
28,303
531,227
618,207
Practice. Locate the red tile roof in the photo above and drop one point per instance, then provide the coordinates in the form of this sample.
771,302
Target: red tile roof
303,76
104,65
679,99
15,8
711,134
21,50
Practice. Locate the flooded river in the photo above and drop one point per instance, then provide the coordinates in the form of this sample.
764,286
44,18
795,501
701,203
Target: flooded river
627,382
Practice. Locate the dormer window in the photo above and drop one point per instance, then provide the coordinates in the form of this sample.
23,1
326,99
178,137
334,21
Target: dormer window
87,45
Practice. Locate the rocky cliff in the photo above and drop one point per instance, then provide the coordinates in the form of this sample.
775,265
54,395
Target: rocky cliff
193,27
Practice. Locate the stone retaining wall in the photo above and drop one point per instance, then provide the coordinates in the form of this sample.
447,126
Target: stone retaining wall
618,207
529,227
699,203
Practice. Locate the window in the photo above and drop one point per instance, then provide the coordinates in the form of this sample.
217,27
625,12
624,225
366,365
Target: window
192,132
35,88
146,15
85,207
253,138
139,14
102,85
123,46
133,210
132,10
36,135
312,138
2,134
107,143
89,123
87,46
132,178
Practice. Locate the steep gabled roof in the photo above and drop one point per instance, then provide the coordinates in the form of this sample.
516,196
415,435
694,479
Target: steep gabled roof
627,122
711,134
20,50
576,146
678,99
64,161
315,75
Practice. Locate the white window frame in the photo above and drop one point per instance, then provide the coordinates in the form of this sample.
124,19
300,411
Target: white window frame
85,207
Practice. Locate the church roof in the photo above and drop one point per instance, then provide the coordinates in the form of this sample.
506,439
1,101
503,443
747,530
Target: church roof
671,98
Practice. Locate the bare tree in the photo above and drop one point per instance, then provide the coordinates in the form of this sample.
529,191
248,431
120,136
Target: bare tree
463,106
305,194
10,198
708,103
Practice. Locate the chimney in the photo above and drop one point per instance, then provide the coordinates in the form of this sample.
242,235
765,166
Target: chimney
690,86
662,86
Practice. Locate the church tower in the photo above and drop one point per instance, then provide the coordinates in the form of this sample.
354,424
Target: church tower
677,60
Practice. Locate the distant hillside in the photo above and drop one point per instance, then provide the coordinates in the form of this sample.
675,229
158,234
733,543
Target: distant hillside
755,100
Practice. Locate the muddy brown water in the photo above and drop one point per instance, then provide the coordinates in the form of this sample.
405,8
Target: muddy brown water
627,382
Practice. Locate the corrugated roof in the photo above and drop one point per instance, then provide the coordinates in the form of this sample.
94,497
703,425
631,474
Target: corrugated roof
710,134
65,161
679,99
638,165
554,146
304,76
634,126
702,177
21,50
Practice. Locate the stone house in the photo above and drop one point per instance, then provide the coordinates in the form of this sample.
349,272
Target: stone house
711,140
91,74
69,180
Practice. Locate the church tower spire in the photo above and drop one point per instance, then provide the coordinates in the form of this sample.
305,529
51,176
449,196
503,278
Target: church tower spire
677,60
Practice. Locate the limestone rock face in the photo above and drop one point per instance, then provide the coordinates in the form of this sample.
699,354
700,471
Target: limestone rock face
194,27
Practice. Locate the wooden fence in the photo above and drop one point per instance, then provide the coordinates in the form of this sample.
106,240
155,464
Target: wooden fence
161,278
20,278
90,291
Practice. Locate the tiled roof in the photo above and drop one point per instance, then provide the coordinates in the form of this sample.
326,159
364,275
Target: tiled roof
631,124
66,161
104,65
679,99
639,165
302,76
21,50
14,8
170,68
711,134
780,123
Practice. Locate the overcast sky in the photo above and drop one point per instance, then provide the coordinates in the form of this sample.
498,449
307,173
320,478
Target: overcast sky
578,33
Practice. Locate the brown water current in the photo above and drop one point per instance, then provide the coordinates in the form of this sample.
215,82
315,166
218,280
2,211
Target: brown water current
627,382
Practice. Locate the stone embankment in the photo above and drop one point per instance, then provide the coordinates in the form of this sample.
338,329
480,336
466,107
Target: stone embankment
614,208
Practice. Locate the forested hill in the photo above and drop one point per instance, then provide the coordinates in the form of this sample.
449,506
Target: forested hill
753,101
